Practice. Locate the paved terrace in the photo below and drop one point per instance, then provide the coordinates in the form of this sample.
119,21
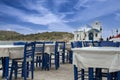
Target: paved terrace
65,72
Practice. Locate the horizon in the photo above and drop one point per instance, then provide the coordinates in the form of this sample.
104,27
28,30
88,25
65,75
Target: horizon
37,16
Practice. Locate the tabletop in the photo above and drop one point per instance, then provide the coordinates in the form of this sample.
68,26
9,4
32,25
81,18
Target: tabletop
8,50
97,57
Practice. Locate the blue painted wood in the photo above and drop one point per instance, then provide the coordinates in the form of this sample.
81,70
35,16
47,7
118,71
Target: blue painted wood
29,50
3,67
98,74
82,74
56,56
75,73
76,44
19,43
70,57
91,73
108,76
62,47
6,67
118,75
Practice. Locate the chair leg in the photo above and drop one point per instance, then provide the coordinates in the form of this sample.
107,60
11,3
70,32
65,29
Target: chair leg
22,71
82,74
118,75
109,76
25,70
3,66
50,61
98,74
57,60
12,68
43,61
32,70
36,61
16,70
75,73
91,75
63,58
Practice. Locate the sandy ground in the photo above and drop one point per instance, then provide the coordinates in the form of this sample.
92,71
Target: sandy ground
65,72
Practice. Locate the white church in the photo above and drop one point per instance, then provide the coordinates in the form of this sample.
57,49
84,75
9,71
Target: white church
89,32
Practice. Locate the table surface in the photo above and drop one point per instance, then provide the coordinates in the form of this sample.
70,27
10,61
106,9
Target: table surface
11,46
97,49
97,57
5,50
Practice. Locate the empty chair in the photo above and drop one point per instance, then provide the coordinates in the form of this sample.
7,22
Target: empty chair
39,51
51,49
91,43
61,50
77,73
75,44
19,43
109,44
25,63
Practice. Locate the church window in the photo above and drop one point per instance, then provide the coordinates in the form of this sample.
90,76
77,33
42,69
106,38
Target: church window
96,34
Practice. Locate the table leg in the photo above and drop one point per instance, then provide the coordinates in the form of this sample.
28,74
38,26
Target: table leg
118,75
98,74
6,67
82,74
75,73
108,76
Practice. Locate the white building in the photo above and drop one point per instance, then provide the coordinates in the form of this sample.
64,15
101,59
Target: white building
89,32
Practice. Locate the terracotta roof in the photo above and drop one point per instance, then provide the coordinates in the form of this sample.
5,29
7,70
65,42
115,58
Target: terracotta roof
118,36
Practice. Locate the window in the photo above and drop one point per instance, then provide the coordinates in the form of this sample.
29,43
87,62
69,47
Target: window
96,34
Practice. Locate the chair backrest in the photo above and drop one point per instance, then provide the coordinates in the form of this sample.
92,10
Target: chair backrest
39,47
19,43
91,43
29,50
109,44
76,44
49,47
61,46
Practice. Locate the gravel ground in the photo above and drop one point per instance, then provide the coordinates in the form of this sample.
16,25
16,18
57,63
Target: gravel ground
65,72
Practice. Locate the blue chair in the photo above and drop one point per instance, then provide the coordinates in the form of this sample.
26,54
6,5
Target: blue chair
77,73
108,44
75,44
19,43
39,52
27,62
61,46
91,43
48,56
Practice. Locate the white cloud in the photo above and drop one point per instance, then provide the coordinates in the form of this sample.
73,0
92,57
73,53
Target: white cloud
81,3
60,27
117,16
60,2
45,17
98,9
44,20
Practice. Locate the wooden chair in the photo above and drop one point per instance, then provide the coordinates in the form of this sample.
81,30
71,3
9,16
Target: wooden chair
39,52
26,64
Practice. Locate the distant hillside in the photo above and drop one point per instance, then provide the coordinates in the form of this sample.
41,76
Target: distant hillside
53,36
8,35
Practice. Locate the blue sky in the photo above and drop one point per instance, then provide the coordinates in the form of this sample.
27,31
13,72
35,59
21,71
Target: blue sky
33,16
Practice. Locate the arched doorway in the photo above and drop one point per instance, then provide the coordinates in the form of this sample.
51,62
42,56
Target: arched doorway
90,36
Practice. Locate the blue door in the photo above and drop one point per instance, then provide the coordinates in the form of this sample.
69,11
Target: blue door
91,36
